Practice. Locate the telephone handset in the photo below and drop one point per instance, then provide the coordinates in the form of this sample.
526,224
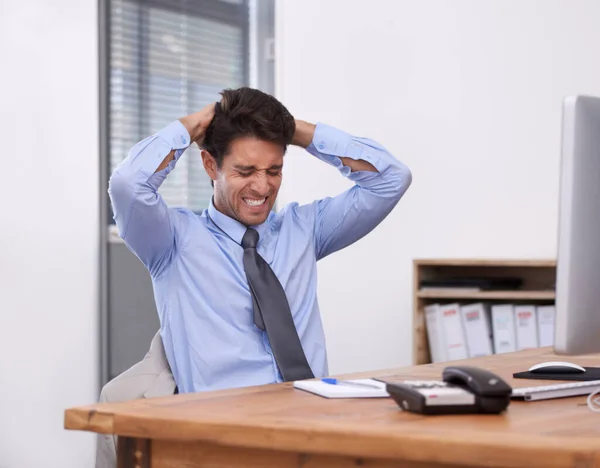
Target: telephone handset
464,389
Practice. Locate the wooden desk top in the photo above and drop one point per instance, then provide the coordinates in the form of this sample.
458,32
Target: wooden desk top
560,432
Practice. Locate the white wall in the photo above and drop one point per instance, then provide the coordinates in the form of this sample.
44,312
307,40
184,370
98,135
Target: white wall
49,229
468,94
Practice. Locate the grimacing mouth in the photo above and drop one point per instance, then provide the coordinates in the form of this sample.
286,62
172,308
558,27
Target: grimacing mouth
251,201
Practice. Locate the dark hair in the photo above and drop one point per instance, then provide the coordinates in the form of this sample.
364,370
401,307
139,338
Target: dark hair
247,112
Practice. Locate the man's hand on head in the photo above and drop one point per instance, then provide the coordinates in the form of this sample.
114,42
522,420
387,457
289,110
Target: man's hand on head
197,123
304,133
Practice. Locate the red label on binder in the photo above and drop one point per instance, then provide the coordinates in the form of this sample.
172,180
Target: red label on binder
474,315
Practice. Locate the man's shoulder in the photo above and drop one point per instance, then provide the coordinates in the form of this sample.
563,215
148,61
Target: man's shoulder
182,211
297,211
185,218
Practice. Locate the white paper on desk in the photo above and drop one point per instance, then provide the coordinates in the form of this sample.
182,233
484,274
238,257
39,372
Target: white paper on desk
343,391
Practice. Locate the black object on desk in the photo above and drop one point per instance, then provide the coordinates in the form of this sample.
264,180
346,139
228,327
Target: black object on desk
591,373
464,389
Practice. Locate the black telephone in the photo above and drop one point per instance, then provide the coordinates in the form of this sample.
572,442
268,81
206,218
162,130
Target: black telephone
464,389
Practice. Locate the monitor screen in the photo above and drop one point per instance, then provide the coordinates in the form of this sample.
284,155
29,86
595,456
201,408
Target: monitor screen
577,328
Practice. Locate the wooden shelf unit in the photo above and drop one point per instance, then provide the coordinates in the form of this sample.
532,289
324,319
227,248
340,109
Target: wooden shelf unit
538,276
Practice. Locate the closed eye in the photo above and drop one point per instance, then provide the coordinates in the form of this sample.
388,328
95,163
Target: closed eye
245,174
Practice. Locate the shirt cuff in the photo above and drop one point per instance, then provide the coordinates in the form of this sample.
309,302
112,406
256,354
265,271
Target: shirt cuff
330,143
330,140
176,135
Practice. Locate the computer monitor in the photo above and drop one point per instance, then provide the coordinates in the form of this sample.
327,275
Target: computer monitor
577,323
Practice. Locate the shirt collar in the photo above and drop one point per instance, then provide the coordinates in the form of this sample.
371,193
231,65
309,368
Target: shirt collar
232,227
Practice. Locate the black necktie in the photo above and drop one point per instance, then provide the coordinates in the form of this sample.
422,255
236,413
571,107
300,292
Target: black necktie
272,312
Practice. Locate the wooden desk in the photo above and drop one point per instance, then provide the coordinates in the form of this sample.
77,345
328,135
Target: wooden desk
277,425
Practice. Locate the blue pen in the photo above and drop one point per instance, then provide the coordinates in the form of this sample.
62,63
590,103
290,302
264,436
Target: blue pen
346,383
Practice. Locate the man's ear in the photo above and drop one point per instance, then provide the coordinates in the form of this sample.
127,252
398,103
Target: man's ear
210,164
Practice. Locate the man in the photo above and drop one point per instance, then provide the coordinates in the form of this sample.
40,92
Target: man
235,286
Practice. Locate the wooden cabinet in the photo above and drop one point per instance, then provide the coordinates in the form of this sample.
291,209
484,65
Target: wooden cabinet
538,287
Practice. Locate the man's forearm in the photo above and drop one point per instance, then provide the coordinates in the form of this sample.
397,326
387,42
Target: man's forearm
165,162
304,135
356,165
196,125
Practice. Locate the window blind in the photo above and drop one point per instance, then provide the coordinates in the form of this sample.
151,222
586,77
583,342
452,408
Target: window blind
169,59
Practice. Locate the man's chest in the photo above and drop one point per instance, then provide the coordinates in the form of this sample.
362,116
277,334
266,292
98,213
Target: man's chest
213,264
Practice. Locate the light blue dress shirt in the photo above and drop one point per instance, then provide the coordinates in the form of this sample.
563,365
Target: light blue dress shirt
195,260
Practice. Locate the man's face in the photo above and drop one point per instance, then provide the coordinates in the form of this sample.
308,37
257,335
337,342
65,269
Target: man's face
247,183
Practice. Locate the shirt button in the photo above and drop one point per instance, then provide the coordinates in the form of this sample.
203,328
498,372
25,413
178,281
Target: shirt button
183,139
321,146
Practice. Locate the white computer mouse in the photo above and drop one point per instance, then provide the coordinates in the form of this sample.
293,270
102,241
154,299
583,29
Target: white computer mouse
556,367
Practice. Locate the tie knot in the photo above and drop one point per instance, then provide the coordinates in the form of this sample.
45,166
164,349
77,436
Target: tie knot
250,239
